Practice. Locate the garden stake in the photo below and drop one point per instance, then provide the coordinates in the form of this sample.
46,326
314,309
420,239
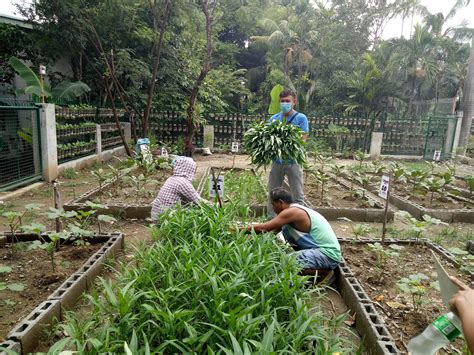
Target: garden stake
57,205
215,187
384,227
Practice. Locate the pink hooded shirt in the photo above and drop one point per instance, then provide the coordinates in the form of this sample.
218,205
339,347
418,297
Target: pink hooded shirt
178,188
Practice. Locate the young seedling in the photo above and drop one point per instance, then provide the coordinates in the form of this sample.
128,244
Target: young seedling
416,177
115,174
321,179
416,286
433,185
360,156
52,246
12,286
137,182
378,167
101,177
470,184
337,170
364,181
382,254
398,172
323,161
103,218
361,230
464,259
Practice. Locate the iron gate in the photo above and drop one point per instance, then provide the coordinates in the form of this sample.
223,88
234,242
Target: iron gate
20,146
440,134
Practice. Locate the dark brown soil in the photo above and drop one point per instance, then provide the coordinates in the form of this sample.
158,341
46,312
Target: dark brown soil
394,306
335,195
124,193
33,269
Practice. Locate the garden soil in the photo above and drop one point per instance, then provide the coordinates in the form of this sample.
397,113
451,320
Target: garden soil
395,307
33,269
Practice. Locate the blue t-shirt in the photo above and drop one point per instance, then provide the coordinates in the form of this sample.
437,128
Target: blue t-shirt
298,119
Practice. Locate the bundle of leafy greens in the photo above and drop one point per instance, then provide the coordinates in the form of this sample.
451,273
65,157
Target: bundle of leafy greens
278,140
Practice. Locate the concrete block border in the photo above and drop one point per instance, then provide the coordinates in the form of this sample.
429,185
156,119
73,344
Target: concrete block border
28,331
369,323
10,347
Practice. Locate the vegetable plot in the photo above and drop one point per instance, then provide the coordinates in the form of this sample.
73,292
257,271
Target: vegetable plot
203,289
278,140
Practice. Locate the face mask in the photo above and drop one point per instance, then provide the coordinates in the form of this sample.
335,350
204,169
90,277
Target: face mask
285,107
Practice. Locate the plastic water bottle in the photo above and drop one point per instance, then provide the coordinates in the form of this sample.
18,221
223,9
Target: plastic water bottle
440,333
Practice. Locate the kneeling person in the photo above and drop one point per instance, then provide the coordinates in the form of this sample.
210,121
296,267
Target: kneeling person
177,189
309,233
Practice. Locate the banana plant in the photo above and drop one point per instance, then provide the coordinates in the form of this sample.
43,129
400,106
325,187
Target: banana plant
64,90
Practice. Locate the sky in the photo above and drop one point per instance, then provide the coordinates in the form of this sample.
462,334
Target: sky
392,29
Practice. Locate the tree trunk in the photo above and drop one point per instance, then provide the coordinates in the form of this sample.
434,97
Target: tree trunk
190,124
157,52
467,104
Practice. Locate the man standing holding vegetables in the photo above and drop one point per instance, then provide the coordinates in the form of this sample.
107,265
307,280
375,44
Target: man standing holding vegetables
289,168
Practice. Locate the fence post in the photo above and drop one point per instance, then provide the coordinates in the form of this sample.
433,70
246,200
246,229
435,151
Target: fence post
457,134
208,136
127,131
49,149
98,139
376,145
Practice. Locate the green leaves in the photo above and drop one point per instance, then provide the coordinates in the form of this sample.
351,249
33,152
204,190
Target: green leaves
16,287
275,99
277,140
5,269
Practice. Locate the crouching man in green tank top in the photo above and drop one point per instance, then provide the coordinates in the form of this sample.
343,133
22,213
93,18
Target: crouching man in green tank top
309,233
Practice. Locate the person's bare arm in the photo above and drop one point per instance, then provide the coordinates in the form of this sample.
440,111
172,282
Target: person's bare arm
285,217
305,137
462,303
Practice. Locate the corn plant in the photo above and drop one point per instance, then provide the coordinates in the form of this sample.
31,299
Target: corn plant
12,286
382,254
432,186
416,286
211,291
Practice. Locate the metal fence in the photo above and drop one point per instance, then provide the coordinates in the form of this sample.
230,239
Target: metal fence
20,146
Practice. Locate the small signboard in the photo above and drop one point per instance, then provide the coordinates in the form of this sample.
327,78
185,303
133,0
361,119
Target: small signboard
235,147
164,152
42,70
384,186
220,186
437,155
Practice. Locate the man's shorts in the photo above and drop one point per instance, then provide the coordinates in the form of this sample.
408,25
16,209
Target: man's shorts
315,259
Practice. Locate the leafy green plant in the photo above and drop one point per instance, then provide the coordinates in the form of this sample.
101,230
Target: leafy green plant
361,230
416,285
15,219
470,184
52,245
278,140
360,156
116,174
416,177
382,254
337,170
365,181
101,177
339,133
398,172
137,182
377,167
12,286
432,186
211,290
69,173
103,218
464,260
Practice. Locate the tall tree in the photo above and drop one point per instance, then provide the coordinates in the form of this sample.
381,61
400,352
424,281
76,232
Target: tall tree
468,104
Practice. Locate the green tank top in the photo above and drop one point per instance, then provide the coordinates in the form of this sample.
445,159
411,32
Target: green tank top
320,235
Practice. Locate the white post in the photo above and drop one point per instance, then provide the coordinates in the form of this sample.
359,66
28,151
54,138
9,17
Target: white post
49,149
127,131
457,134
98,139
208,136
376,145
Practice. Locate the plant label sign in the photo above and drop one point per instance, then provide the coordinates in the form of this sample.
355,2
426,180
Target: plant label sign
164,152
235,147
42,70
384,186
437,155
220,186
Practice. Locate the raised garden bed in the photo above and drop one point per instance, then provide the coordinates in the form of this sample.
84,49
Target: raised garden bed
47,294
343,199
125,199
369,285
